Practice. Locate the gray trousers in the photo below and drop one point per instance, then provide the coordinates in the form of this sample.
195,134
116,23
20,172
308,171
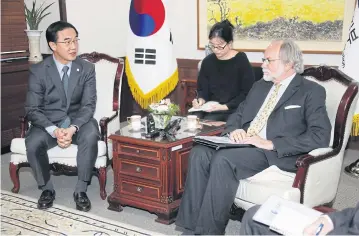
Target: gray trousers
38,141
212,182
251,227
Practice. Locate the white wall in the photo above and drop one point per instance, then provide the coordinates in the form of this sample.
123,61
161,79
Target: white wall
102,26
54,16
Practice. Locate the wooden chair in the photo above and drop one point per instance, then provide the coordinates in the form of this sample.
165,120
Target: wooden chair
109,73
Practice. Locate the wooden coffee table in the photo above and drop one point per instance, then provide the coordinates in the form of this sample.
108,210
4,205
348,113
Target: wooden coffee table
150,174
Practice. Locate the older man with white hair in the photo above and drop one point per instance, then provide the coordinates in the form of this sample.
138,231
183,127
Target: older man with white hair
283,116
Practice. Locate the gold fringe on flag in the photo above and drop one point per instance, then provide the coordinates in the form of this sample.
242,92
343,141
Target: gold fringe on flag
156,94
355,126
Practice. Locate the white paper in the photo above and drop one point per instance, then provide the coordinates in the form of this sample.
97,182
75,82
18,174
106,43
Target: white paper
289,221
176,148
204,107
217,139
285,217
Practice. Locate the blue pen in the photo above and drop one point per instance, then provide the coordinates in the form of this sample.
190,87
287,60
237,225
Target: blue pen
319,229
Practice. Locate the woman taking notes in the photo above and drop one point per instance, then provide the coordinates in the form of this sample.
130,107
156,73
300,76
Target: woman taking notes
226,76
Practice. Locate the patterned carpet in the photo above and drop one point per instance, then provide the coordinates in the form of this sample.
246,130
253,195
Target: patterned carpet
19,215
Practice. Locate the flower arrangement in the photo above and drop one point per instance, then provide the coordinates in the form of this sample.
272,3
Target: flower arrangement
162,112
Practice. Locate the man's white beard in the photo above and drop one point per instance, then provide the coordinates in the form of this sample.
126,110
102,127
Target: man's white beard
268,77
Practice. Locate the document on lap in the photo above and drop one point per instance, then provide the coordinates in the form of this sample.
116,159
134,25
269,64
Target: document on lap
219,142
205,107
285,217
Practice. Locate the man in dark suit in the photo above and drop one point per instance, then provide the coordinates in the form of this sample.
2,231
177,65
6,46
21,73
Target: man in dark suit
283,116
345,222
60,105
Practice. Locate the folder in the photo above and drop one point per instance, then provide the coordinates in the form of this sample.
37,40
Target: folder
219,142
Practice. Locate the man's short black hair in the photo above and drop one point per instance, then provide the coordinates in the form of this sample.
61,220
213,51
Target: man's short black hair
51,32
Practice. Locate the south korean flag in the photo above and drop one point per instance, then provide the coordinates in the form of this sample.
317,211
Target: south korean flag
151,67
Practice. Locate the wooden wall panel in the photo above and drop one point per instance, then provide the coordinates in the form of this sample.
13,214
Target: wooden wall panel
13,24
14,79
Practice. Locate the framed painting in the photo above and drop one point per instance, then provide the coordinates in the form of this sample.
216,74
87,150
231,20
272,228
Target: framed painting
318,26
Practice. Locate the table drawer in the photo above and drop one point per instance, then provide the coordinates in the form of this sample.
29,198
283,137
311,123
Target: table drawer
141,190
138,169
142,151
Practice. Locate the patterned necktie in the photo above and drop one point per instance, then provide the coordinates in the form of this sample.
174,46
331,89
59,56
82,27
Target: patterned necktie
258,124
65,79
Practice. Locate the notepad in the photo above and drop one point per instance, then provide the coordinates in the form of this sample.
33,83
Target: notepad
205,107
285,217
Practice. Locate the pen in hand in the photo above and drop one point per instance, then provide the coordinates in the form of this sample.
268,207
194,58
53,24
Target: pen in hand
319,229
197,96
196,101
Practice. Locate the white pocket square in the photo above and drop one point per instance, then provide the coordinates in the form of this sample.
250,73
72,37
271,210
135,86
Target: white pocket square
291,107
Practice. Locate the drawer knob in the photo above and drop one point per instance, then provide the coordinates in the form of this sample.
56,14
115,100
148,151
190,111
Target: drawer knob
138,169
138,151
139,189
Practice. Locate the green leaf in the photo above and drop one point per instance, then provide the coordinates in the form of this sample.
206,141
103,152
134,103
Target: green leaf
46,9
35,15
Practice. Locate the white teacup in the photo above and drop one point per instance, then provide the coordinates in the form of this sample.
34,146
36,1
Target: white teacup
135,122
192,122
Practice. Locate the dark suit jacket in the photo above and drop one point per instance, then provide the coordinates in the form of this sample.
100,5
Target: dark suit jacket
46,102
292,131
346,221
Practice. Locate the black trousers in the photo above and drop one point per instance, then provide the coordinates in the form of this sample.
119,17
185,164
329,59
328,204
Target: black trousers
38,141
211,185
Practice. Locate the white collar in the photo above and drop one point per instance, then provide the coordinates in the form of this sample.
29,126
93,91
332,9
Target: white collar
284,83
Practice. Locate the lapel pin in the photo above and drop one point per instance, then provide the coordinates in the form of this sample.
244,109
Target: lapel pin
78,69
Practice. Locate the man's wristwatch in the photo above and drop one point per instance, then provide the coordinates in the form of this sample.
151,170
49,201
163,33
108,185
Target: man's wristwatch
76,127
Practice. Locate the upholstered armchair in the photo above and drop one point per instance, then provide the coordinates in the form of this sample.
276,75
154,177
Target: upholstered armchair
316,181
109,73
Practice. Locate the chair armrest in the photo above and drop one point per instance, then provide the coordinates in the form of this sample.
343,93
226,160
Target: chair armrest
103,126
24,126
310,168
324,209
315,156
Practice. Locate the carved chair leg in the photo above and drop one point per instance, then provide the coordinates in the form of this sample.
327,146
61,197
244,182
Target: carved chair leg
102,180
14,175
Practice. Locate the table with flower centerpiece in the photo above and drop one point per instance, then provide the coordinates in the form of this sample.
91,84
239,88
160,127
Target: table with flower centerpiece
150,174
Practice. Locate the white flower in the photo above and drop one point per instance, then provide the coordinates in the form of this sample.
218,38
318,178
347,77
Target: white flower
162,108
166,101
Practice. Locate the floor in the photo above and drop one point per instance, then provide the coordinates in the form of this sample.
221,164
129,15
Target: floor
348,195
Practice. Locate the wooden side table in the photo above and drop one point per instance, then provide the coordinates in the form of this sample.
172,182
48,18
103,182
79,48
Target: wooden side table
151,174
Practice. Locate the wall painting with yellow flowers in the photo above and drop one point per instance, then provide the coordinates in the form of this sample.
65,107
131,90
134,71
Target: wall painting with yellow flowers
318,26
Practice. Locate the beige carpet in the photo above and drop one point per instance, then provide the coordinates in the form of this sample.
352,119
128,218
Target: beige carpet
19,215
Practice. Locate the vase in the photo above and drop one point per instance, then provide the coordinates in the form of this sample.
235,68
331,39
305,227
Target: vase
34,45
161,121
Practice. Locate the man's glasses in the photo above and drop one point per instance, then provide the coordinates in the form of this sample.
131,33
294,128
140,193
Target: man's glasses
217,47
69,42
267,60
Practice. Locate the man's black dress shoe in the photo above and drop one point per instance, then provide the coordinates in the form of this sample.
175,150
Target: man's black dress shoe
82,201
46,199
